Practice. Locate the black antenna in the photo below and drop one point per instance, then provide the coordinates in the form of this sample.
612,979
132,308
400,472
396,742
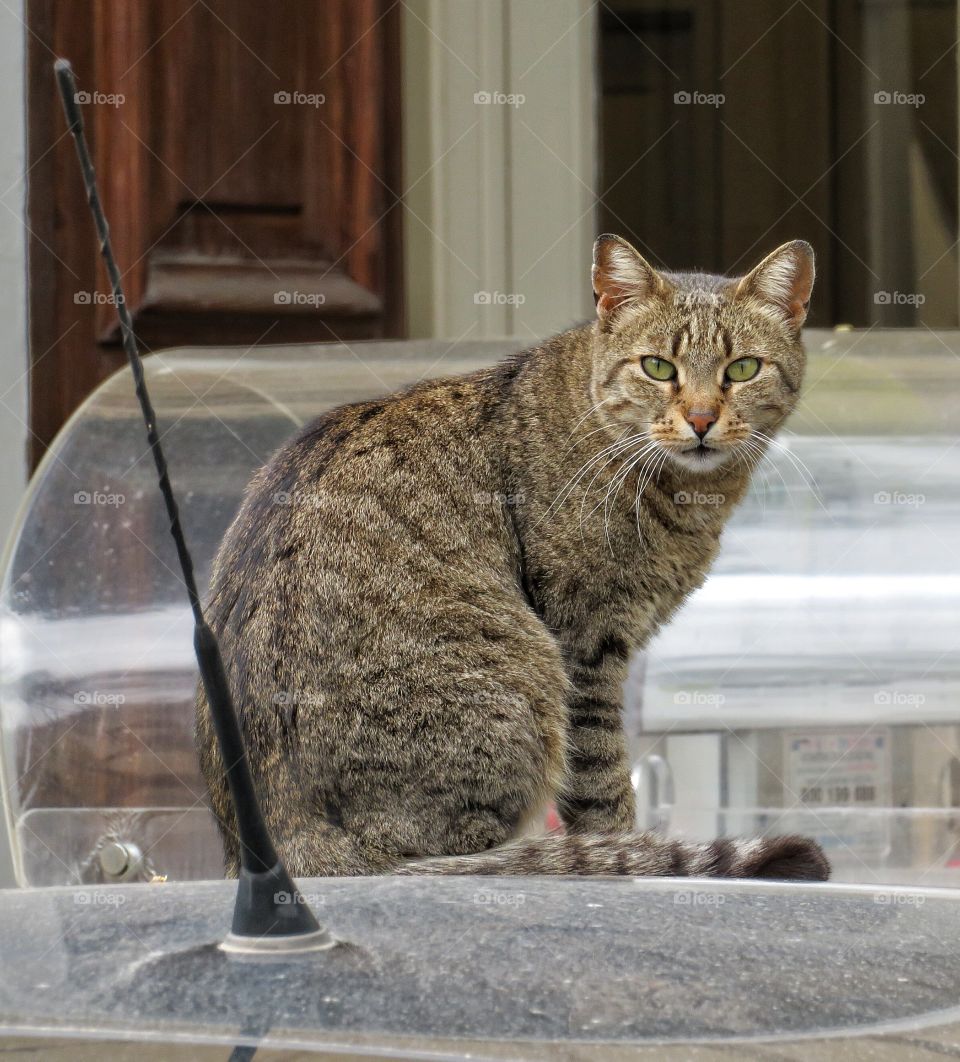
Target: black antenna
270,915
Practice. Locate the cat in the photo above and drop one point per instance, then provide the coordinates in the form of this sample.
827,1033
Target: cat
427,601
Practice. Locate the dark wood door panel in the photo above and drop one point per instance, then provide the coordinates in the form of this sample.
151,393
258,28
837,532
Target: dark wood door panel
249,160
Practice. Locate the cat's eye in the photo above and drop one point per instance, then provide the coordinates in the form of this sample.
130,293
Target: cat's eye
742,370
659,369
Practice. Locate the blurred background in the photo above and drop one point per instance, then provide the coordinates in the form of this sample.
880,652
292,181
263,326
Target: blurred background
373,168
428,168
351,170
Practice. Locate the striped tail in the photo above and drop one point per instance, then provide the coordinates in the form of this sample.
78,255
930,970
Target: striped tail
789,858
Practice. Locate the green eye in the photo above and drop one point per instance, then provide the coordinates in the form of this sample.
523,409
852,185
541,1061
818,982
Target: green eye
658,368
743,370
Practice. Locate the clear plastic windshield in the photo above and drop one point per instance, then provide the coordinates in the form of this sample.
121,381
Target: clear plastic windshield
812,684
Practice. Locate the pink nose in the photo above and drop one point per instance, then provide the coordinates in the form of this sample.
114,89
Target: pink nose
700,420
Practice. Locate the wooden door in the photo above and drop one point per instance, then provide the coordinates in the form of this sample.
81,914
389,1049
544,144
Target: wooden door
249,163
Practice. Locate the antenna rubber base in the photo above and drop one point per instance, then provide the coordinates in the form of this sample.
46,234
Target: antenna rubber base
271,914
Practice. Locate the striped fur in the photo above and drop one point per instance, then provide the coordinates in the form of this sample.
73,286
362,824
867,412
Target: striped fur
427,602
640,855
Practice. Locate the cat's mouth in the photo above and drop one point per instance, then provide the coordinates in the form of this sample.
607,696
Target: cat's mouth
700,457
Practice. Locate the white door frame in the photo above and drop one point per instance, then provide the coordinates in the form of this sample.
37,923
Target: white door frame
500,158
14,363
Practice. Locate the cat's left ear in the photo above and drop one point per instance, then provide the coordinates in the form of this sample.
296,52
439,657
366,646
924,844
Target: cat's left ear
621,275
783,280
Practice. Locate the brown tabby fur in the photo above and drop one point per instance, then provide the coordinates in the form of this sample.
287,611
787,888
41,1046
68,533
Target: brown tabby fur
426,602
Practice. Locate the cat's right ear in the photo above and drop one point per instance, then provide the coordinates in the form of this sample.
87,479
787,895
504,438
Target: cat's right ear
621,275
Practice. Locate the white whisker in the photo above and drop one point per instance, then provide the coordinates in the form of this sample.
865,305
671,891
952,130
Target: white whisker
794,458
740,453
592,409
755,450
571,484
613,490
624,471
603,467
649,473
809,480
576,442
642,486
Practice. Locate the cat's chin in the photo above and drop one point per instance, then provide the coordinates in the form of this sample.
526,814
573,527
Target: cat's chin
700,460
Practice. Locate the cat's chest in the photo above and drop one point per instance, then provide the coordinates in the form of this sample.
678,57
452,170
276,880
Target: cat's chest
628,587
645,593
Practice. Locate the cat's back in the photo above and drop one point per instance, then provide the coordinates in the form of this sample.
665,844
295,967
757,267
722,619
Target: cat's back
372,501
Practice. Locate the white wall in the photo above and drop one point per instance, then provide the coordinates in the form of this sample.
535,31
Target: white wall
13,281
13,291
500,161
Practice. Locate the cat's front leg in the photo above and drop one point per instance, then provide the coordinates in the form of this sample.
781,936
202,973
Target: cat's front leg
597,796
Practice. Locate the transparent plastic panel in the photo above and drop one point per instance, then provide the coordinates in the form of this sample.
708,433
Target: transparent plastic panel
537,969
98,672
811,684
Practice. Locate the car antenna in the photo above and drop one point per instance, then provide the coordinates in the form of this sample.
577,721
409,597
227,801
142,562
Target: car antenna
270,915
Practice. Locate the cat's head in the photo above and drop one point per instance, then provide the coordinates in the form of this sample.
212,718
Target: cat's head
708,366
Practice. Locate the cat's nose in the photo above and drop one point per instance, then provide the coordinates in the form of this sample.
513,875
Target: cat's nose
701,420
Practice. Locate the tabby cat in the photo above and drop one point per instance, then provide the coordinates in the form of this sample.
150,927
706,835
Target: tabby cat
427,601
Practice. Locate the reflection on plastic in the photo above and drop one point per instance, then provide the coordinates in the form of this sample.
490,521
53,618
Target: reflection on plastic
832,611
